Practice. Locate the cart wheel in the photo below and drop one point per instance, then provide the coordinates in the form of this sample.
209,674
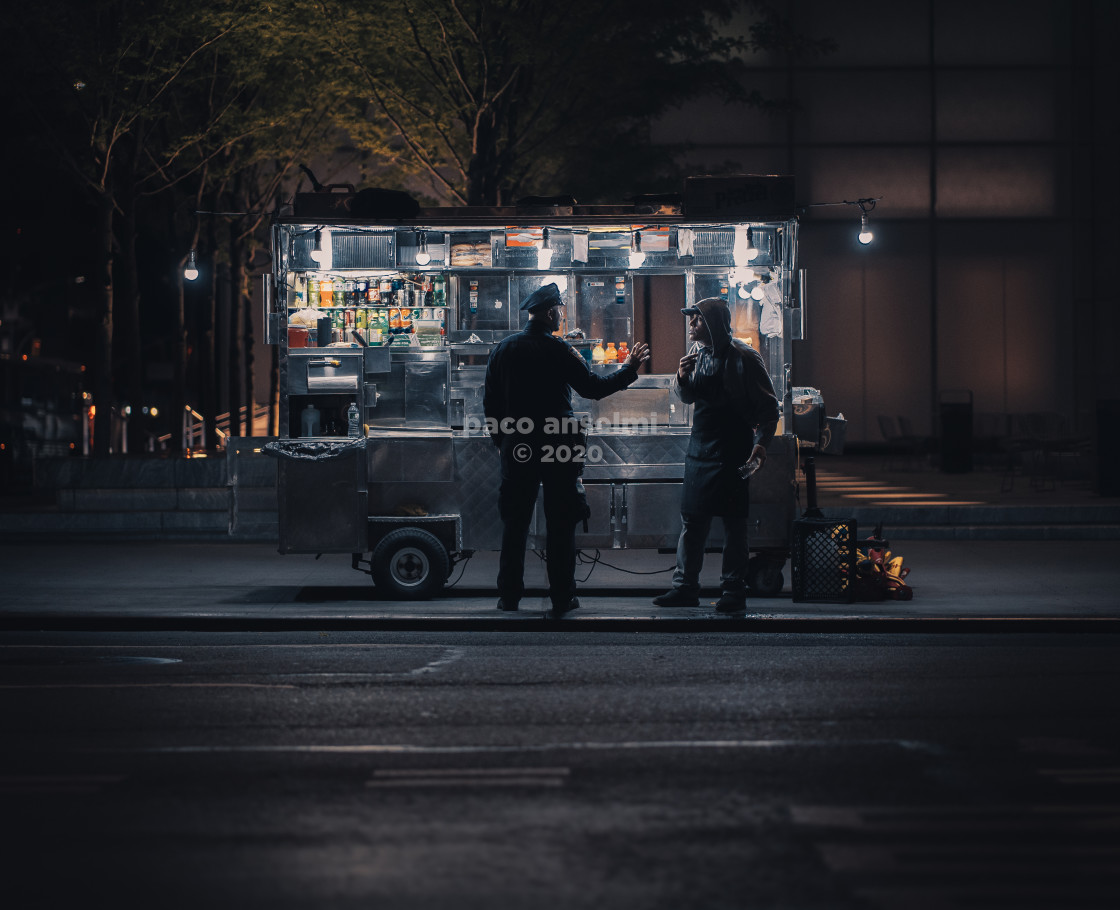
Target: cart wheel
409,564
764,577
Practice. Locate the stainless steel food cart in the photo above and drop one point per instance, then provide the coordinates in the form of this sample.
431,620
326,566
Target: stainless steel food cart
397,316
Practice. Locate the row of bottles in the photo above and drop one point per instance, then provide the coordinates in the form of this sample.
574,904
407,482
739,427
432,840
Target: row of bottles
314,423
610,354
404,290
390,325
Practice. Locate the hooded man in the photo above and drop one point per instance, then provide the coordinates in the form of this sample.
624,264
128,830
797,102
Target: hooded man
734,417
528,405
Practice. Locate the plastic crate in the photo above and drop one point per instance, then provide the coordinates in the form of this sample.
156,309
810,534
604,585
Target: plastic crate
823,560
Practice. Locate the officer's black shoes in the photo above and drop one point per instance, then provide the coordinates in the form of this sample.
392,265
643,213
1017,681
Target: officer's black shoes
507,605
559,610
676,598
731,603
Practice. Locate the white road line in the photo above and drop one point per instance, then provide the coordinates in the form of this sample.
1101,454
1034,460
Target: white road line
470,777
471,772
408,749
148,685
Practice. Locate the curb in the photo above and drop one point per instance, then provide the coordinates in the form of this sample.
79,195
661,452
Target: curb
858,625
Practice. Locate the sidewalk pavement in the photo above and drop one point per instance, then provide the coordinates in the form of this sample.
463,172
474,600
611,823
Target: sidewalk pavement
959,586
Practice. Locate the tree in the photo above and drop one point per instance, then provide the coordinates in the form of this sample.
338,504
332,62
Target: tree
486,100
97,76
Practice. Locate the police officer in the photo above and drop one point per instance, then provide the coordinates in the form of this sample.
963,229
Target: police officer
528,406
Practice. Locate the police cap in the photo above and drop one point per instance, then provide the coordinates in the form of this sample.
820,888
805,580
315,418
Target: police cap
543,298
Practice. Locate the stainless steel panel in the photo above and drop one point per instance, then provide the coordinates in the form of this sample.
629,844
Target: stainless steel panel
322,505
324,372
770,525
652,516
403,458
376,359
599,532
426,386
362,250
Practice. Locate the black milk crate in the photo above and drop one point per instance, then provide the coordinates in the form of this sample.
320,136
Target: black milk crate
823,560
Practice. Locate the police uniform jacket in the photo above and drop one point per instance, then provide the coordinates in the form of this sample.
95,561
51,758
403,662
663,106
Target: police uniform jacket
531,375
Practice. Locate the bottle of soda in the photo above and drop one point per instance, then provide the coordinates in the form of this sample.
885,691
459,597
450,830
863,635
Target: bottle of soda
326,291
313,292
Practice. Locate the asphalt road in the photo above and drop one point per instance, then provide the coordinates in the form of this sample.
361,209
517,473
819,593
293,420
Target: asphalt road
541,769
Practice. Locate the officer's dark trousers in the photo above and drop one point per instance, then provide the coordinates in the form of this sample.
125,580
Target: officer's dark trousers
516,498
690,554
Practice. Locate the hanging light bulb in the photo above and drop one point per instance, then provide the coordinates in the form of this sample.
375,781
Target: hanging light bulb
865,235
191,271
752,250
743,249
423,257
756,291
637,257
743,292
544,254
317,247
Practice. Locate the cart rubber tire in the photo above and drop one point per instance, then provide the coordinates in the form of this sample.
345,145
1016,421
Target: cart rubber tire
764,577
410,564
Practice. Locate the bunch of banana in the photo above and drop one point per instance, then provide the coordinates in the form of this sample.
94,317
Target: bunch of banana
886,570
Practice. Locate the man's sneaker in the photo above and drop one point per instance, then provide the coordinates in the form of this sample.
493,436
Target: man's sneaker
731,603
676,598
559,610
507,605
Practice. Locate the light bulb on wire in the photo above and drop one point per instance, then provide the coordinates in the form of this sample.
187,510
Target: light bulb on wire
317,246
743,249
191,271
637,257
544,254
423,257
752,250
865,235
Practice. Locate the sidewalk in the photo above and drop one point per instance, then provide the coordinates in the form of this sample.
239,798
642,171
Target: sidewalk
963,586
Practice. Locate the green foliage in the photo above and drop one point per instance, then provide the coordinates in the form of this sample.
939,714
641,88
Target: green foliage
487,100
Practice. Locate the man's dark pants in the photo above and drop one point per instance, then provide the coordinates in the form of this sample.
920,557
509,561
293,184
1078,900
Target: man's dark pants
516,498
690,554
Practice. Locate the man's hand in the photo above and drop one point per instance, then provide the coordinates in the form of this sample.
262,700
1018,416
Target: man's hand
686,364
759,452
753,464
639,354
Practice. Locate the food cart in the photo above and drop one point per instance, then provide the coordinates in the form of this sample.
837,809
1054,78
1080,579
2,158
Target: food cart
384,325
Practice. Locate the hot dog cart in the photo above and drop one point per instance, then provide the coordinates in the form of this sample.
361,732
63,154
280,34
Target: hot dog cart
384,326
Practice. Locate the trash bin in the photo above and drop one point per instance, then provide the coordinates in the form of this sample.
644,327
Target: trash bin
956,431
321,488
808,415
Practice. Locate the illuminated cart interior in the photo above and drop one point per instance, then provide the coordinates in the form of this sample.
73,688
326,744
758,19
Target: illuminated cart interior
394,319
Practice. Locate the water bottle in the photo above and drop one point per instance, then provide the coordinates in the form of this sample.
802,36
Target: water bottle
353,427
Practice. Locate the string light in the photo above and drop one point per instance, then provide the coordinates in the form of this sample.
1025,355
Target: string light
544,254
637,257
423,257
865,235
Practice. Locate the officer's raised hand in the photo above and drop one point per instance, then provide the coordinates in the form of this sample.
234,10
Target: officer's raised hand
639,354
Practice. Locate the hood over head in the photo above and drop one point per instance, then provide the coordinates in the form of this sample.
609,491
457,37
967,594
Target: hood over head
717,317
